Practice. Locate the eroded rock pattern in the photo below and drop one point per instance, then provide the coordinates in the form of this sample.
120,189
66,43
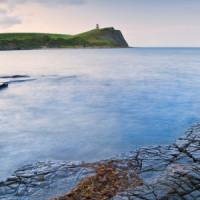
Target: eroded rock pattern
43,180
168,172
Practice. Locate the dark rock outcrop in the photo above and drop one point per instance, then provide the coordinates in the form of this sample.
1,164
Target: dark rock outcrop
3,85
9,79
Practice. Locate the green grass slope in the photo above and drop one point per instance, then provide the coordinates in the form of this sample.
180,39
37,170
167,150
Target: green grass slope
99,38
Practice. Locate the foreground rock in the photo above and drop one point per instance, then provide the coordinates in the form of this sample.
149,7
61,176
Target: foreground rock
154,173
43,180
170,173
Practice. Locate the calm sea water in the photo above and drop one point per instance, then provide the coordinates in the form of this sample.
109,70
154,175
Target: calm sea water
92,104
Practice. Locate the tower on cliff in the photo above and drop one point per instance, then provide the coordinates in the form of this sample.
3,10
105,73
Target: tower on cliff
97,26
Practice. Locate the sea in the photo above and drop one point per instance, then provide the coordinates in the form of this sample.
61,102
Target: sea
92,104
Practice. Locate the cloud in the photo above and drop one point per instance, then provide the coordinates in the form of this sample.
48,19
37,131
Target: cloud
12,3
7,20
3,11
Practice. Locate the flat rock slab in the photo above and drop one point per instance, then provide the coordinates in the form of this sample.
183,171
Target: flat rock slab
168,172
15,76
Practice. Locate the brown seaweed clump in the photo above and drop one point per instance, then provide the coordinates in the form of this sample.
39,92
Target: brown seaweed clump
105,184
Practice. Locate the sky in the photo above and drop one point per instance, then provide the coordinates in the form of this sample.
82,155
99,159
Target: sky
144,23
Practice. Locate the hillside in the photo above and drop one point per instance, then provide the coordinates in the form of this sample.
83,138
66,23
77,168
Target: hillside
99,38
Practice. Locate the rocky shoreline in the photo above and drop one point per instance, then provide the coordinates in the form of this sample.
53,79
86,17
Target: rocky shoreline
166,172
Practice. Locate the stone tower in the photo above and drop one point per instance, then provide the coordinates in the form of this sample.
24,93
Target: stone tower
97,26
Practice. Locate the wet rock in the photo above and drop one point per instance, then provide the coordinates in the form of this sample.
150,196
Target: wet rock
167,172
14,79
15,76
43,180
174,171
3,85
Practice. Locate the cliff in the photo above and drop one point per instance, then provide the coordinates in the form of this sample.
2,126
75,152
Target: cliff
97,38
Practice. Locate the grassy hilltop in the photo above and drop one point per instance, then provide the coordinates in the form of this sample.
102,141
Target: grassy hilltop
106,37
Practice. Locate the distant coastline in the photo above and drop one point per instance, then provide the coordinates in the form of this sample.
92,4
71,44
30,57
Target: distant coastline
97,38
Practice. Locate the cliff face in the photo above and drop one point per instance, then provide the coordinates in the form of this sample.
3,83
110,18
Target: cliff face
97,38
106,37
115,36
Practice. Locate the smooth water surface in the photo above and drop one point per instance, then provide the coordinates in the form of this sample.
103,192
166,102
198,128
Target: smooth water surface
92,104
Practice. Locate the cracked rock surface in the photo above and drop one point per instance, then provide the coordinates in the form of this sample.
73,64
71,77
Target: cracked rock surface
168,173
171,172
43,180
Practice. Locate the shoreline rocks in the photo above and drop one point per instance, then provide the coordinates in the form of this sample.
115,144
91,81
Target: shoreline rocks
14,76
167,172
9,79
3,85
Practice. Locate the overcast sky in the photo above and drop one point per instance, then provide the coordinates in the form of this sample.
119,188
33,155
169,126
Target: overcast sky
143,22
